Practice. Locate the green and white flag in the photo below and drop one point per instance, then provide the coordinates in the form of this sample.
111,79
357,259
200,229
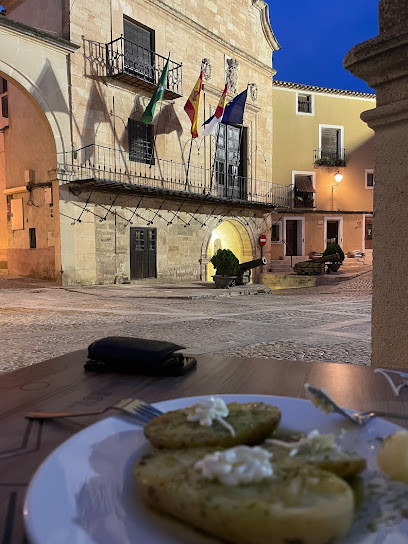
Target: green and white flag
148,114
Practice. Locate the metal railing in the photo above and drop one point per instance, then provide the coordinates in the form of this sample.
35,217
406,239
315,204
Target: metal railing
330,157
104,164
125,58
304,106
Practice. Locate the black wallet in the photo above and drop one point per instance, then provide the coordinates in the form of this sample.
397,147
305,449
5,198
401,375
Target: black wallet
138,356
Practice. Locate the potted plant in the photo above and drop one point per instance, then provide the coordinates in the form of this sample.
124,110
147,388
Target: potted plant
225,264
333,249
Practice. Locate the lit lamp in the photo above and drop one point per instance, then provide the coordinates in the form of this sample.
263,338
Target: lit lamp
338,176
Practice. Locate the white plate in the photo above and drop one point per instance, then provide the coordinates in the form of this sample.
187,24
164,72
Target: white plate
84,492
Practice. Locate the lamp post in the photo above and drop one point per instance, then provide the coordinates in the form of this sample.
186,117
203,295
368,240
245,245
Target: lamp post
338,176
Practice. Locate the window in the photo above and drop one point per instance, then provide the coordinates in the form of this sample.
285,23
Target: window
139,50
304,191
369,179
140,138
304,103
3,102
33,239
331,146
276,230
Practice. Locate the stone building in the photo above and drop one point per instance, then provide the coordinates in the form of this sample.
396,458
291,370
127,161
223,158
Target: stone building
92,195
115,198
318,134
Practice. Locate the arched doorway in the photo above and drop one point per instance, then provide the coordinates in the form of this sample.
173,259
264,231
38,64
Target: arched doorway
230,234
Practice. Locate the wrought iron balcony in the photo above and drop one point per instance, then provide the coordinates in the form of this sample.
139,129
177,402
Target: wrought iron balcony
114,169
330,157
141,67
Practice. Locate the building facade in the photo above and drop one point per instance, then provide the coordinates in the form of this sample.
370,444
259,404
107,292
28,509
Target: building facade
129,200
93,195
317,135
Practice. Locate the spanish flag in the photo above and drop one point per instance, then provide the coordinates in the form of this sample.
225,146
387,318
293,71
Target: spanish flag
193,104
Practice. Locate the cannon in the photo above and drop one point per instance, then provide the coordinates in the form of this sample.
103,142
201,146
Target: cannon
243,272
317,266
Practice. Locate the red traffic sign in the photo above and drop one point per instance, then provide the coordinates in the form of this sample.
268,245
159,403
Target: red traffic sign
262,239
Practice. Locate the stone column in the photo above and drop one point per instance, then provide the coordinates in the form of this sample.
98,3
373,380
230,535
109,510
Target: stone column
382,63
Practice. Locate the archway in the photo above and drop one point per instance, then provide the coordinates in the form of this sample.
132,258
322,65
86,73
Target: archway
230,234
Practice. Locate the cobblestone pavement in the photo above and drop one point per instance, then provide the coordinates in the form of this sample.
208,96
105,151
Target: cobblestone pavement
330,322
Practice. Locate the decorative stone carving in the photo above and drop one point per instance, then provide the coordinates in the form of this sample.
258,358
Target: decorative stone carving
206,66
231,66
253,92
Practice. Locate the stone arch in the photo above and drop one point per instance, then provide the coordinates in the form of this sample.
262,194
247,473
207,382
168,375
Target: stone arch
37,63
30,89
235,234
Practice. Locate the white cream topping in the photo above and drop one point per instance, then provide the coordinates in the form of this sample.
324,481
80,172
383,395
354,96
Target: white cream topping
313,443
238,465
207,410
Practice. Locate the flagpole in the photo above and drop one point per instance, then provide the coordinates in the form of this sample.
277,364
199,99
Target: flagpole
188,162
157,125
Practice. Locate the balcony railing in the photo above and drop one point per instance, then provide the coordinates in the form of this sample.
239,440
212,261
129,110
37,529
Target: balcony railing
113,166
330,157
139,66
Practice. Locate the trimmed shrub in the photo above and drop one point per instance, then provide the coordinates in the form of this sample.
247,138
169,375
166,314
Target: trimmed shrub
331,249
224,262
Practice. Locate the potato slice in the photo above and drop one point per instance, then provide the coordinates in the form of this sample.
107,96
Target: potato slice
299,505
252,423
341,463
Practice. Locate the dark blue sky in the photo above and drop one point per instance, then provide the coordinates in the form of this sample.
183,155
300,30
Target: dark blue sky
315,35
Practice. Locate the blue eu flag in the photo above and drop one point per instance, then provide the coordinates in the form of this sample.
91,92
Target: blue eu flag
234,110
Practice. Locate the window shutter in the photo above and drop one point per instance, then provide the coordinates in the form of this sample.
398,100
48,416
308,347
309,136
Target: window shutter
330,139
137,35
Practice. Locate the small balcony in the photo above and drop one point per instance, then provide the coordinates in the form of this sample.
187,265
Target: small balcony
142,68
118,170
330,157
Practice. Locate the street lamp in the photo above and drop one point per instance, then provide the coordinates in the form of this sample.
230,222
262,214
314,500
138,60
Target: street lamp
338,176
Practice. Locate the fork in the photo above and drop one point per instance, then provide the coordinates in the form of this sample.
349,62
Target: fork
136,408
327,404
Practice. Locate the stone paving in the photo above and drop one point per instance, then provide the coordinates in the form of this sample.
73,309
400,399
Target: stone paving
330,322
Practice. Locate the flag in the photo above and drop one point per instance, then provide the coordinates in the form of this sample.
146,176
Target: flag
193,104
214,120
234,110
148,114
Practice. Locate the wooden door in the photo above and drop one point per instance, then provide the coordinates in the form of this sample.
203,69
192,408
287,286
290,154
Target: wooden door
332,232
368,233
143,253
291,238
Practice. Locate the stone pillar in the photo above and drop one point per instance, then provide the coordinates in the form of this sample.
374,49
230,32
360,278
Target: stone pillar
382,63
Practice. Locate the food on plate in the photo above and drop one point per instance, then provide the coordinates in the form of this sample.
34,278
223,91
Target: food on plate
241,496
316,449
392,456
212,423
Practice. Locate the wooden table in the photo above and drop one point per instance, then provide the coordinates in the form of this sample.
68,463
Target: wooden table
62,384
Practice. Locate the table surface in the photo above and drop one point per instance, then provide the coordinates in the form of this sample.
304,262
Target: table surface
62,384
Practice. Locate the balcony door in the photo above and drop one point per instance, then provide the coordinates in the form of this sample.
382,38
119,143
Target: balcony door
229,161
143,253
139,51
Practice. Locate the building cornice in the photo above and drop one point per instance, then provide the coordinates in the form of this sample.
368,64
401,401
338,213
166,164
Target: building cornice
38,35
266,24
325,90
205,32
